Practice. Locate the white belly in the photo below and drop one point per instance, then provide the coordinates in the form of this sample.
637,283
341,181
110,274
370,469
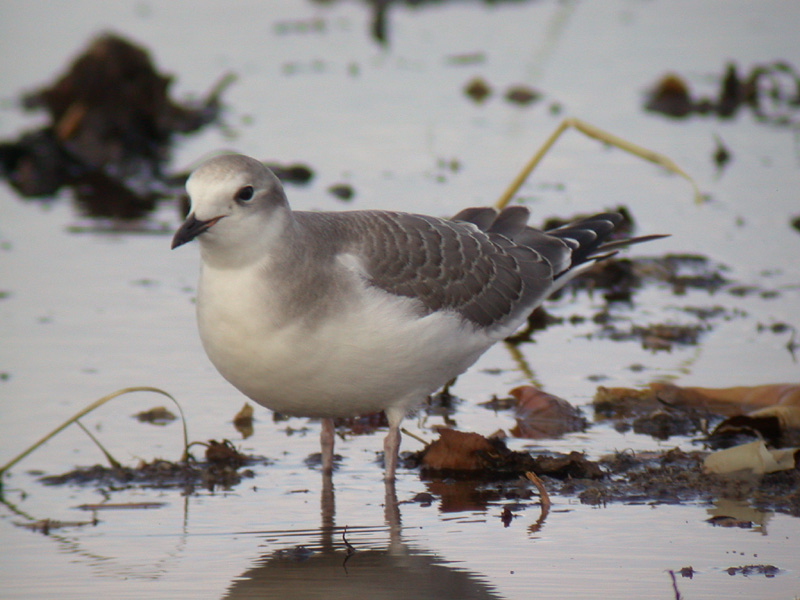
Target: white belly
374,354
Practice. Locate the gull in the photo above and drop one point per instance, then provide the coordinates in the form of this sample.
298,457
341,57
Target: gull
337,314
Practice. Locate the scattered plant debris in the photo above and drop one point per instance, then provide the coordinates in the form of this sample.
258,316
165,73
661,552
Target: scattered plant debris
722,156
765,570
467,471
110,135
222,469
771,91
86,410
478,90
687,572
473,456
243,421
676,476
156,416
663,410
112,125
674,410
343,191
620,277
522,95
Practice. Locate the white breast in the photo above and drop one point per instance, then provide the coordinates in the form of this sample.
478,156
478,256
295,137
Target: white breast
376,353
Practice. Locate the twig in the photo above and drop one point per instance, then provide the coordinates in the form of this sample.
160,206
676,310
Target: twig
405,431
349,547
545,501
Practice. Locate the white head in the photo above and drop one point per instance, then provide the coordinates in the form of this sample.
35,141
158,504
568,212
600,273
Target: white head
238,210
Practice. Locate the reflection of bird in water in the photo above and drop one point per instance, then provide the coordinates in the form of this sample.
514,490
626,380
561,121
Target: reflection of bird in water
332,314
325,568
375,573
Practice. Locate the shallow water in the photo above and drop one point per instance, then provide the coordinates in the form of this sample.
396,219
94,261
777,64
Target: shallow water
87,313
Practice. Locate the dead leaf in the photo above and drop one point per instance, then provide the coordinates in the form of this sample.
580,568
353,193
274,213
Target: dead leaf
767,428
541,415
754,458
787,411
769,422
726,401
729,400
456,451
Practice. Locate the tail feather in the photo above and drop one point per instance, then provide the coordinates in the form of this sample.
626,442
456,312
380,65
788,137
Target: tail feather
566,248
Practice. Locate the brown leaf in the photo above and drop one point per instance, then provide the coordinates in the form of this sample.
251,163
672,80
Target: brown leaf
456,451
726,401
730,400
541,415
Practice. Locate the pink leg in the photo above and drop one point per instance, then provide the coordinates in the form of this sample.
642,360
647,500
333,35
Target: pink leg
391,444
326,436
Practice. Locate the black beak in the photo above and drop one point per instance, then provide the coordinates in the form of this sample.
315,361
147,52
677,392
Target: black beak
191,228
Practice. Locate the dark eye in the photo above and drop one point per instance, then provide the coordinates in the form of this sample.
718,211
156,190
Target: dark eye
245,194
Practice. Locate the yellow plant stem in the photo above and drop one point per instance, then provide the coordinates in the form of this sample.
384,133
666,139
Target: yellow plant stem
598,134
90,408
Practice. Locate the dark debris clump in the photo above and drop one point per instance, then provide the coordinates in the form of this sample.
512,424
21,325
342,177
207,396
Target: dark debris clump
222,469
676,476
771,91
110,132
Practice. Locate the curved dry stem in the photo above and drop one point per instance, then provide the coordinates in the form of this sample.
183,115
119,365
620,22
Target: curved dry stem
90,408
603,136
